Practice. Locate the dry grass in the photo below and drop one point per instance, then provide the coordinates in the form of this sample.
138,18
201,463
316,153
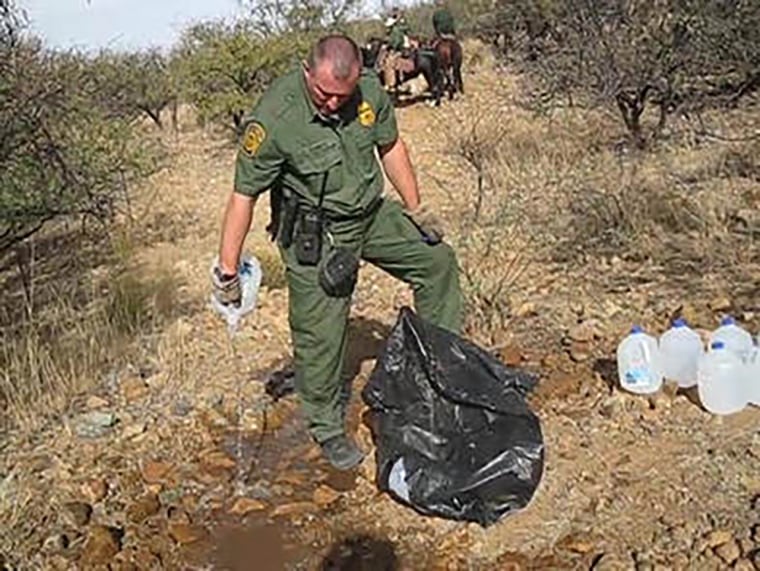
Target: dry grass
61,349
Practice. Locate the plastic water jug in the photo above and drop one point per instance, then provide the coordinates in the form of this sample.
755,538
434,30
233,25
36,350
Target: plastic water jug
720,380
638,362
733,337
249,271
680,350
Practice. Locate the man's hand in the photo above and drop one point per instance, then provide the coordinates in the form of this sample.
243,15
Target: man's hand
427,222
226,287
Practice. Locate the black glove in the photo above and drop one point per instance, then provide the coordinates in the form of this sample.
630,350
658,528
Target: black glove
226,287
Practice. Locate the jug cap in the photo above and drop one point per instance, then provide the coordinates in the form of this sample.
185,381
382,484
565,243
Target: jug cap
680,322
637,329
718,345
728,320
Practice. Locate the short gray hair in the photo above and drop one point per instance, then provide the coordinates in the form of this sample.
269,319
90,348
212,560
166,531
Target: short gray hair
340,50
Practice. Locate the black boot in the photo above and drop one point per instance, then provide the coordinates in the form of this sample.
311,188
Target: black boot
342,452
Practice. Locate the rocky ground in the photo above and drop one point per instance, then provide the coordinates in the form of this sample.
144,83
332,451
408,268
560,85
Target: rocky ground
182,461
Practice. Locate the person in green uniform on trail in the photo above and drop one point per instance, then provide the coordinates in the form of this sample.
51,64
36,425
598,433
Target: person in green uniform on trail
398,31
311,139
443,21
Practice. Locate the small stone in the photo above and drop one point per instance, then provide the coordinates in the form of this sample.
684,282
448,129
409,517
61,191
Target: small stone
744,565
659,401
526,309
583,332
580,351
102,544
577,308
133,430
143,508
511,355
94,402
720,303
688,312
178,515
296,508
78,513
611,562
94,424
613,406
217,460
325,496
155,472
183,406
718,537
243,506
746,545
133,389
94,490
756,533
184,534
54,544
728,552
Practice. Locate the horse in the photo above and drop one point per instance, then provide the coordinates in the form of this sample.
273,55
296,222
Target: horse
449,52
422,61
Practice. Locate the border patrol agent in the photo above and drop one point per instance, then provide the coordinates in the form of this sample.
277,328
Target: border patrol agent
311,140
443,21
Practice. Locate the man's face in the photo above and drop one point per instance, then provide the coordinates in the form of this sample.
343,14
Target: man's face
328,93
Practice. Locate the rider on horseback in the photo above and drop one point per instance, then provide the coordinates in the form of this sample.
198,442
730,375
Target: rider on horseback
398,46
443,22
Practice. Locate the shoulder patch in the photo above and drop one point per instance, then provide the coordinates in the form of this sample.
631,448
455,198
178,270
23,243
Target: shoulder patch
254,136
366,114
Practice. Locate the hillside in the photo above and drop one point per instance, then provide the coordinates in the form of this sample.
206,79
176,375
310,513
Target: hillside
198,467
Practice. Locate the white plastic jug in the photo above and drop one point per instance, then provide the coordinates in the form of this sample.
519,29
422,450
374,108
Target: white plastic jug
733,337
680,350
638,363
720,380
249,271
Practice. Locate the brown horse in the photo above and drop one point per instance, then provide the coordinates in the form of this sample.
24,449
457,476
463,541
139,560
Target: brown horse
449,52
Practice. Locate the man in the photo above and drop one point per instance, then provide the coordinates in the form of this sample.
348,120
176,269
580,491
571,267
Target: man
398,42
312,137
443,21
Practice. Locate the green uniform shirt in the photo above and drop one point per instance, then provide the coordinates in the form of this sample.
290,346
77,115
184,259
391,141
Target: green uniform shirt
443,21
396,36
287,143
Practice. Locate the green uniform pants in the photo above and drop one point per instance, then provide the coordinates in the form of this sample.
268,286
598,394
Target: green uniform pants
318,322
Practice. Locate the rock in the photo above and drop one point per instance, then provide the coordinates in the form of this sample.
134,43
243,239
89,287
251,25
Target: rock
94,402
94,424
178,515
756,534
325,496
688,312
133,389
184,533
78,513
746,545
94,490
296,508
155,471
659,401
102,544
216,461
729,551
183,406
583,332
54,544
718,537
243,506
580,351
526,309
719,303
143,508
612,562
744,565
511,355
133,430
613,406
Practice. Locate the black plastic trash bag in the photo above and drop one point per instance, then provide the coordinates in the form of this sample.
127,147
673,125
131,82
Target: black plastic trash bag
454,434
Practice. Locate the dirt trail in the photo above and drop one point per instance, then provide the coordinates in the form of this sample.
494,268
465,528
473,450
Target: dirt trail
203,469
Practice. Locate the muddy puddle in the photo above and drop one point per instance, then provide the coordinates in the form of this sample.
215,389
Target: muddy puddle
282,505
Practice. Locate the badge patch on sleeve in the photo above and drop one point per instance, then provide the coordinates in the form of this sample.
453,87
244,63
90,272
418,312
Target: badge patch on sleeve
366,114
254,136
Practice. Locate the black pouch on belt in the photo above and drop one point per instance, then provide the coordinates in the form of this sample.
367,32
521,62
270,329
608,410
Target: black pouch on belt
339,272
309,238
